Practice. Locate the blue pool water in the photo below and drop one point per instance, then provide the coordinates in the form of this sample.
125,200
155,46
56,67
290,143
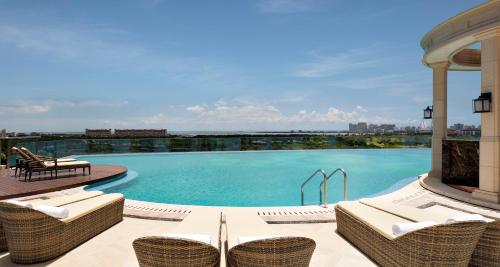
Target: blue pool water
269,178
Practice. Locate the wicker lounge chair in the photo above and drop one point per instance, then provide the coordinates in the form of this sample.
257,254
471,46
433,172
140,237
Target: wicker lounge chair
33,236
487,251
57,202
178,249
370,230
268,248
38,157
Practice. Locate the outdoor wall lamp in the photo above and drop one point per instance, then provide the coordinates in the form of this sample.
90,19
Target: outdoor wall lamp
428,112
482,103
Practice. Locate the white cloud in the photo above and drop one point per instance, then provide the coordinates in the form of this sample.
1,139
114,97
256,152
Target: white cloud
393,82
24,108
100,47
288,6
240,114
326,66
196,108
224,112
332,115
44,106
155,119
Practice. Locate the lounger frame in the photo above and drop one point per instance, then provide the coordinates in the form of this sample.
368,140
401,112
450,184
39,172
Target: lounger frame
33,236
440,245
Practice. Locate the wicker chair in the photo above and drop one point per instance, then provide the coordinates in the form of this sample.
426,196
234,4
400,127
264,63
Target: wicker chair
269,250
487,251
181,251
33,236
279,251
439,245
57,202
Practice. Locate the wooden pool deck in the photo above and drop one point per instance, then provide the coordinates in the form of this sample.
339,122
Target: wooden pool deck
11,186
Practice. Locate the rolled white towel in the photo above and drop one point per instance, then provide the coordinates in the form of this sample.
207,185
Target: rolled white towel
196,237
465,218
20,203
56,212
244,239
403,228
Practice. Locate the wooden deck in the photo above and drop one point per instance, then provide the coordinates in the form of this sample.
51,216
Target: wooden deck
11,187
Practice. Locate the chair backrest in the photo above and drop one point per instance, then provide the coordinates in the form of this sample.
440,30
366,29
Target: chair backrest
21,153
163,251
279,251
30,154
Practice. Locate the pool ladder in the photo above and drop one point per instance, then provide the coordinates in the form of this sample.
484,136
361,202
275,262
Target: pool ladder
323,185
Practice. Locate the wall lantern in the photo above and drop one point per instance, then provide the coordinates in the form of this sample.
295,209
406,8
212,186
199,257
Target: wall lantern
482,103
428,112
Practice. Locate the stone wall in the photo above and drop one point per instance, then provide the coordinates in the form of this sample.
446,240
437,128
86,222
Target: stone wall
461,162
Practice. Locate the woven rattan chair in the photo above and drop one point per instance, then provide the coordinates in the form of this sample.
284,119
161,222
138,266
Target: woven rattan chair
33,236
267,248
180,251
369,229
56,202
487,251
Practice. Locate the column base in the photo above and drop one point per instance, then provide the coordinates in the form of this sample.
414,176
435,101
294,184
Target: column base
435,174
488,196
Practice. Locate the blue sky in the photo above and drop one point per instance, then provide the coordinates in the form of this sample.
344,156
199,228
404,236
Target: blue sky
221,65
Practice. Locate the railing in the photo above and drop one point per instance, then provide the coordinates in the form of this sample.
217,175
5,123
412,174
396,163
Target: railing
323,197
323,184
309,179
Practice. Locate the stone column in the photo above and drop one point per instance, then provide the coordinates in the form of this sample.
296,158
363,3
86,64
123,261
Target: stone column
439,116
489,158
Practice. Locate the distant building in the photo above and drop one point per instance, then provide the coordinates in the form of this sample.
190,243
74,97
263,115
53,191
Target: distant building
140,132
387,128
360,127
98,133
3,133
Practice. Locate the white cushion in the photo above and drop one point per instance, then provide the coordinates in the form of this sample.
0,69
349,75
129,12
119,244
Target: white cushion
56,212
19,203
465,218
196,237
245,239
403,228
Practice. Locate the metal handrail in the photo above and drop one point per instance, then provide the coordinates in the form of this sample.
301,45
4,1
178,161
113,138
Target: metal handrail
323,184
306,181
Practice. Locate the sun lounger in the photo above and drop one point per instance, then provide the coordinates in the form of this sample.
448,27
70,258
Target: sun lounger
38,157
194,242
33,236
33,163
252,242
56,202
487,251
370,230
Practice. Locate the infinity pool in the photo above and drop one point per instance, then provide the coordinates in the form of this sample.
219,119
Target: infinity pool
268,178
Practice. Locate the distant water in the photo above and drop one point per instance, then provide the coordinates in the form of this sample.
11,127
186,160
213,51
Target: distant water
268,178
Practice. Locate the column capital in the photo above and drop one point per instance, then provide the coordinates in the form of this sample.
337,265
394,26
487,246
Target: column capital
441,64
493,32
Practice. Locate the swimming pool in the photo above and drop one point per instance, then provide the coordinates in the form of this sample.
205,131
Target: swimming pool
264,178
